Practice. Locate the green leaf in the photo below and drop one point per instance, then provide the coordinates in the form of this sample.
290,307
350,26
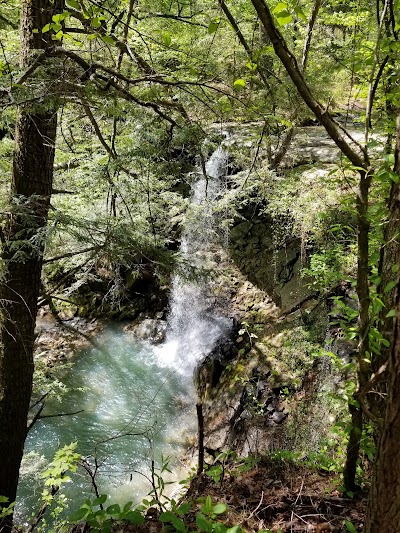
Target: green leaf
350,526
239,84
100,500
213,26
72,3
202,523
78,515
372,144
234,529
219,528
166,37
391,285
300,13
166,516
127,506
220,508
178,524
113,509
280,7
107,39
284,17
46,28
107,526
391,313
96,23
184,508
134,517
251,66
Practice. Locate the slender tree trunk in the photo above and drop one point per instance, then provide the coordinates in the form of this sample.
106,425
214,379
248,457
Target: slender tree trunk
355,407
22,250
310,28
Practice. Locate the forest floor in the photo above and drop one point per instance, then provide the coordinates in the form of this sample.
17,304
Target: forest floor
283,497
273,496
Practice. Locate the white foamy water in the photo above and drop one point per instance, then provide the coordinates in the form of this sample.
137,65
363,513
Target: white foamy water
194,327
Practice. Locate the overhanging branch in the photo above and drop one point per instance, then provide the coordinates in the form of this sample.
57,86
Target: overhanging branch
292,68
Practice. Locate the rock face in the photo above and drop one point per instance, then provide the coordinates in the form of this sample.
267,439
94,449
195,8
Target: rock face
248,419
273,264
57,343
208,372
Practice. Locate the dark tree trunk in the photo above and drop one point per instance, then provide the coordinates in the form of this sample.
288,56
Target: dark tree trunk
383,512
22,250
390,264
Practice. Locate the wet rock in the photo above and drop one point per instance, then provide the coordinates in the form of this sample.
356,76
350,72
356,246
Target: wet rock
278,417
151,329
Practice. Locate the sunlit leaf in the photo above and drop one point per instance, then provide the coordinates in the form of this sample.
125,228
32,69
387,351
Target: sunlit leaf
166,37
72,3
239,84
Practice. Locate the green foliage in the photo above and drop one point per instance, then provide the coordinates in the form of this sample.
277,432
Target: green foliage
6,510
102,518
350,526
65,460
229,464
325,269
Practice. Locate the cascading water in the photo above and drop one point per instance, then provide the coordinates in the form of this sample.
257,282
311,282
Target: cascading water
194,326
137,399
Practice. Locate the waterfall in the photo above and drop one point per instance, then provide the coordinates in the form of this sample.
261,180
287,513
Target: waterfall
194,325
137,399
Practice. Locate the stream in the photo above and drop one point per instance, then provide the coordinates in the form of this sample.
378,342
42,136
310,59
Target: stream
136,401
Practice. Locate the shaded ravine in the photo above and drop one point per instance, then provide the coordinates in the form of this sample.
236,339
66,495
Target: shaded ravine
137,399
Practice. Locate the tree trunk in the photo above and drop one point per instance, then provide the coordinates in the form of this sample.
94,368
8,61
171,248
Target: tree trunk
389,264
22,251
383,512
355,407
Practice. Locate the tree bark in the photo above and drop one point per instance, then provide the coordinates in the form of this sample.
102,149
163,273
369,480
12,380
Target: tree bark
22,251
383,512
363,369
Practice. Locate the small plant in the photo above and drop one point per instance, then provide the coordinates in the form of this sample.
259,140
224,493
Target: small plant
8,510
102,519
174,517
350,526
65,460
248,331
205,520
